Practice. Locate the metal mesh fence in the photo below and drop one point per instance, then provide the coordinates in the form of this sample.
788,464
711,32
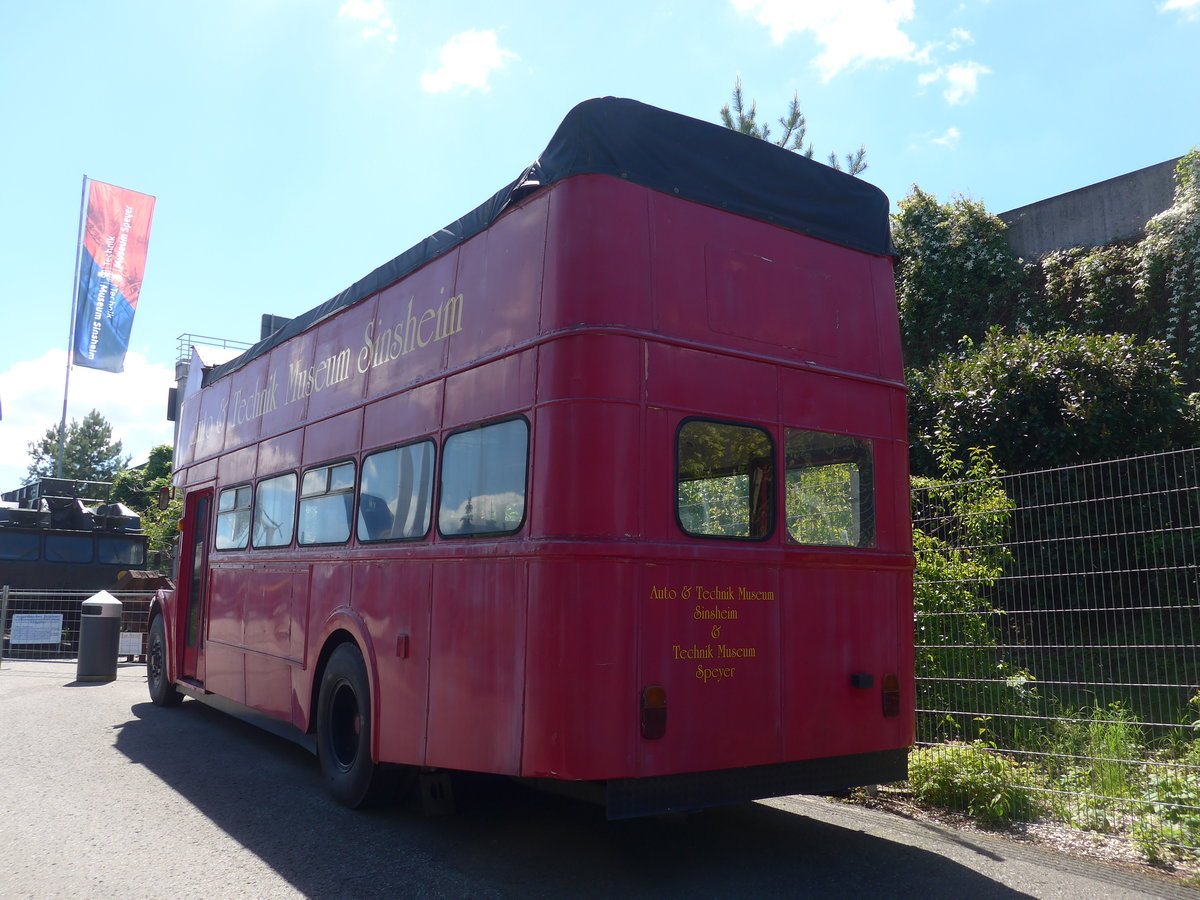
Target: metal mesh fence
1057,631
45,624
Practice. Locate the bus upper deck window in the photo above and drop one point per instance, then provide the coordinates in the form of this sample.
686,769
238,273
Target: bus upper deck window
483,480
326,498
724,478
829,486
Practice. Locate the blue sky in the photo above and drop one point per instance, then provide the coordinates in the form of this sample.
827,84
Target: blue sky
294,145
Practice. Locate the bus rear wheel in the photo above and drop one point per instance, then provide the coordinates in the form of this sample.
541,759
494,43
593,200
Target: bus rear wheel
162,691
344,726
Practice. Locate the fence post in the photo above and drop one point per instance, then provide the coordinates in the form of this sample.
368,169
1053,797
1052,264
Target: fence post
3,619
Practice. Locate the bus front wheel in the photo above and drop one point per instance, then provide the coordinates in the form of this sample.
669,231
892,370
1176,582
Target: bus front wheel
162,691
344,731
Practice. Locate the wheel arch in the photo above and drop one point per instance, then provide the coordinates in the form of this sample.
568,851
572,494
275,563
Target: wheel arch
163,604
345,629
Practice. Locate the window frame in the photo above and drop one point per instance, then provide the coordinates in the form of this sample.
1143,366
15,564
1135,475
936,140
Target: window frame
868,525
218,513
434,491
770,494
441,472
352,493
255,506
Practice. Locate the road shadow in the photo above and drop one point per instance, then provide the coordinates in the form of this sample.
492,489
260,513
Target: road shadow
509,841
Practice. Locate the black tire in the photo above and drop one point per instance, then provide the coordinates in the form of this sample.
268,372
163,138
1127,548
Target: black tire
162,690
344,728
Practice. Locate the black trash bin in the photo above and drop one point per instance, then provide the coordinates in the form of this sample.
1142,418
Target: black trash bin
99,638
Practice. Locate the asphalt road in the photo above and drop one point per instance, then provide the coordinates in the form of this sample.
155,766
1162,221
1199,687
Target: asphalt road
104,795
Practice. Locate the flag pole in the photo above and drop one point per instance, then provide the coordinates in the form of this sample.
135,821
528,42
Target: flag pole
62,428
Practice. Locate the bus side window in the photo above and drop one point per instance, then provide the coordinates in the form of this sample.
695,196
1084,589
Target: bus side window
275,511
121,551
326,497
20,547
68,548
233,518
394,498
724,478
829,486
483,480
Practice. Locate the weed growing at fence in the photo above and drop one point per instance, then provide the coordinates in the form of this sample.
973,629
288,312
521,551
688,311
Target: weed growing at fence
960,555
973,778
1057,631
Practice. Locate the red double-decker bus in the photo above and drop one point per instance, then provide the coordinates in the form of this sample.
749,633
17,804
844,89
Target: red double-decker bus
603,485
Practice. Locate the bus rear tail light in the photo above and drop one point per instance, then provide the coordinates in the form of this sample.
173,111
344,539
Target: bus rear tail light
891,696
654,712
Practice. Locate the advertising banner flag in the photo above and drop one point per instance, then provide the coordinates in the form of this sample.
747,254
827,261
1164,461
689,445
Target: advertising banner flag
112,259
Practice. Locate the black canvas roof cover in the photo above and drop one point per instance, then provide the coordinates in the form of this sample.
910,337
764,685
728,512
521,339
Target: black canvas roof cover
663,151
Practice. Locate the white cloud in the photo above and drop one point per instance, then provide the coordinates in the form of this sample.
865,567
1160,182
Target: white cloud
852,32
134,402
467,61
961,79
1189,8
378,23
949,139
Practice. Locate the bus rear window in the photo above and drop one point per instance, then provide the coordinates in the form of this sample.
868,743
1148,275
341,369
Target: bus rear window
724,474
829,486
483,480
394,502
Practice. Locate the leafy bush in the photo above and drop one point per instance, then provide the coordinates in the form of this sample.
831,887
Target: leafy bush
1041,402
1093,290
972,778
955,274
1168,273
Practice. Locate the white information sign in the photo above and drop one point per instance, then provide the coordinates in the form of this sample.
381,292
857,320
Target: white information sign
36,628
131,643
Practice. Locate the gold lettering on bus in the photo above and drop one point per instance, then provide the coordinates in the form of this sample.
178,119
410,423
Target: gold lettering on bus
384,344
256,403
304,382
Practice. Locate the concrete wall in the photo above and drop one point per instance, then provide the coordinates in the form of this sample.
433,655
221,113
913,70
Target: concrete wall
1092,216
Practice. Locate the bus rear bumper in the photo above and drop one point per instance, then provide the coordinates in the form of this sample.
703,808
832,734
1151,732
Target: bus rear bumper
629,797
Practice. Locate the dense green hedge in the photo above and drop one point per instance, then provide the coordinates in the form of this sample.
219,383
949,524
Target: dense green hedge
1086,354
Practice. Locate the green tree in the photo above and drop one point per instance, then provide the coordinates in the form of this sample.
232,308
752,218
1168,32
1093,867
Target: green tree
139,489
89,451
1042,401
739,117
956,275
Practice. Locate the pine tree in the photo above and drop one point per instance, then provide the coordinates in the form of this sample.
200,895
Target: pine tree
737,117
89,452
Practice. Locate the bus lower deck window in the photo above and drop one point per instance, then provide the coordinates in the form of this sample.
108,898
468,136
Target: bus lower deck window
394,502
326,498
275,511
